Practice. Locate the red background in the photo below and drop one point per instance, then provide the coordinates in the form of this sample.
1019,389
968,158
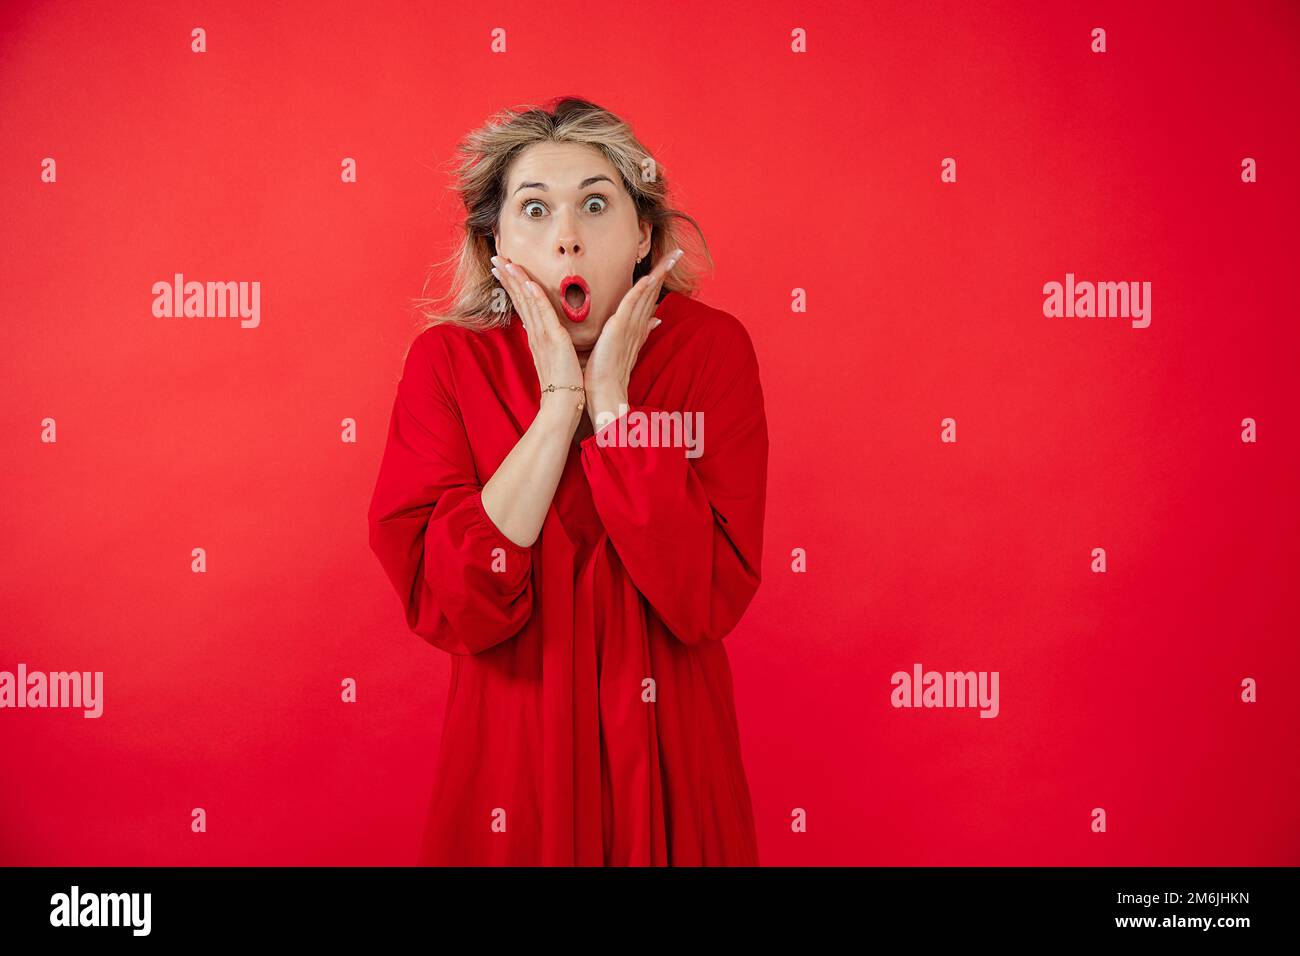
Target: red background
817,171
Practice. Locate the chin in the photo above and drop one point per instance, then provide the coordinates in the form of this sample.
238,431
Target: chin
584,334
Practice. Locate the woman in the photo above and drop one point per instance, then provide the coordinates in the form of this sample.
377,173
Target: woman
581,574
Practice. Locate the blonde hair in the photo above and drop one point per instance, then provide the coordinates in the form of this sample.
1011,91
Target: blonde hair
480,179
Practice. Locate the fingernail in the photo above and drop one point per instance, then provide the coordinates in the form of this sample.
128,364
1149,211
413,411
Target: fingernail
496,260
655,324
497,274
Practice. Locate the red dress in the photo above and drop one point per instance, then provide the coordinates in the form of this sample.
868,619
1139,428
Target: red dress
590,718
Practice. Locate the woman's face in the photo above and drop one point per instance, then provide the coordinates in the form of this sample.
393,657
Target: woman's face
567,213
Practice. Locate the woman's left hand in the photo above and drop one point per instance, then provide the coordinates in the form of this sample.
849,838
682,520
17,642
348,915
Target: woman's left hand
609,367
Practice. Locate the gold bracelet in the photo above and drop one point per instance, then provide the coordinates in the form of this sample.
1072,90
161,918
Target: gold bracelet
573,388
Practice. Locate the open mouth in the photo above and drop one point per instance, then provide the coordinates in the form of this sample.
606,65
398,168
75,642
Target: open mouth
576,297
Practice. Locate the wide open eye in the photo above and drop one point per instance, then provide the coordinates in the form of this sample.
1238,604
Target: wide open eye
598,198
532,202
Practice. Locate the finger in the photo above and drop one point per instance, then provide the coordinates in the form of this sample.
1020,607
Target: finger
507,274
540,313
645,332
646,303
544,314
662,268
632,304
543,311
517,299
645,294
660,273
527,307
505,278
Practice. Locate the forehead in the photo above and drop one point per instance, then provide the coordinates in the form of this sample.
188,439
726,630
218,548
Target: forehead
559,166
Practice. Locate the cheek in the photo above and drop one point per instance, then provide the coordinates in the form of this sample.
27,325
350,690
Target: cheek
517,244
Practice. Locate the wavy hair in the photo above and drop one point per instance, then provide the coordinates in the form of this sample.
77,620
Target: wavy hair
484,157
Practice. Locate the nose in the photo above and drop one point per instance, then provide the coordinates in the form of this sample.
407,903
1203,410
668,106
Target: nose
567,241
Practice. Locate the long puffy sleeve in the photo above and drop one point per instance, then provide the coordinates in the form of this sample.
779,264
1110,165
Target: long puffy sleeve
427,523
690,530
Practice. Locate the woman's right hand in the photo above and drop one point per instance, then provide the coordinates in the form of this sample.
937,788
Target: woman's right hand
554,357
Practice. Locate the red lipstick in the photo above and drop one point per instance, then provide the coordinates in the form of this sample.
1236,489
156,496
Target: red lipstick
576,313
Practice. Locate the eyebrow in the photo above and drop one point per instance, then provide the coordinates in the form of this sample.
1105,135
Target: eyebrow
582,185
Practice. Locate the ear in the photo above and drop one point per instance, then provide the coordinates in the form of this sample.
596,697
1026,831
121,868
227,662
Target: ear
643,246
